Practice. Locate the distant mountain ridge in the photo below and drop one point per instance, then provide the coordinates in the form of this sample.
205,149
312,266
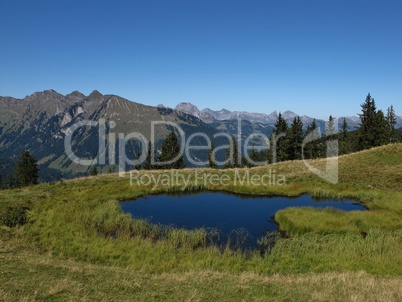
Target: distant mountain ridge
210,116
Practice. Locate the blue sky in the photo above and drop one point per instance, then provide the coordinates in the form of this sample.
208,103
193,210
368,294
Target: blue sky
311,57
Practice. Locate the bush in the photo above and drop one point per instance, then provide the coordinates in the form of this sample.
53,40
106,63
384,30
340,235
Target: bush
13,216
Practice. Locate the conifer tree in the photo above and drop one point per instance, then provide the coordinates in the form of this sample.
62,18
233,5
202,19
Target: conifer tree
367,123
375,129
312,148
344,138
148,162
253,156
391,121
237,162
380,130
93,171
330,127
281,143
331,133
169,150
295,139
10,181
232,155
26,170
211,156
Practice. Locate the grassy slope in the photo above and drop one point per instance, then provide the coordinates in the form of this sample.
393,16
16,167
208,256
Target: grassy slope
79,223
28,274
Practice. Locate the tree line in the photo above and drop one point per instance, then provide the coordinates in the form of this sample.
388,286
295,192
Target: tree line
375,129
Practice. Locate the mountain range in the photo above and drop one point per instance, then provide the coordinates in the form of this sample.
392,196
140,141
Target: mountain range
40,122
210,116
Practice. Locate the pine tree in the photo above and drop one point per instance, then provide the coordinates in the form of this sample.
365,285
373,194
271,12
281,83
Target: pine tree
93,171
330,127
367,118
331,132
253,156
169,150
232,155
375,129
312,149
344,138
26,170
281,144
10,181
295,139
380,130
137,158
391,120
236,161
148,163
211,157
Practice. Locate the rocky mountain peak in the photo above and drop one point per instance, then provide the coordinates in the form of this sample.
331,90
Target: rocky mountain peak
95,95
75,96
188,108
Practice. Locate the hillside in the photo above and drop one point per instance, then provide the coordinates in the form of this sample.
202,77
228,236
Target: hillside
76,237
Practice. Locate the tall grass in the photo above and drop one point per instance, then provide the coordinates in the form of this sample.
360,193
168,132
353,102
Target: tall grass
82,219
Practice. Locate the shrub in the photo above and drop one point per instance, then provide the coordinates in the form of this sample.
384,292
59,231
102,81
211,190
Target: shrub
13,216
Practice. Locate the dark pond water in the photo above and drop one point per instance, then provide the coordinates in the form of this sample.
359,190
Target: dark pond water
225,212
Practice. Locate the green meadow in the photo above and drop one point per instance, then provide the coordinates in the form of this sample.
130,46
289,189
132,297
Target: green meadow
70,240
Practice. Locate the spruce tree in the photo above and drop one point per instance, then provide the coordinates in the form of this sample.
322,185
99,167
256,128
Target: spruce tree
330,127
232,155
380,130
10,181
281,147
375,128
236,161
312,148
253,156
331,132
93,171
169,150
391,121
344,138
148,163
26,170
367,123
317,144
295,139
211,157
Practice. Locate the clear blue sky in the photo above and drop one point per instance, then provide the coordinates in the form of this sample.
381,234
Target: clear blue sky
311,57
